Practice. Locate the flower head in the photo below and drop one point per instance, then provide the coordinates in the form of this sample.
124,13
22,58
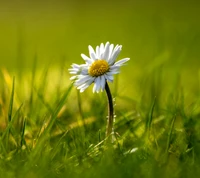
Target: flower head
98,68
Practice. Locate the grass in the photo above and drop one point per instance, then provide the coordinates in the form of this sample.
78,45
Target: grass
45,134
49,129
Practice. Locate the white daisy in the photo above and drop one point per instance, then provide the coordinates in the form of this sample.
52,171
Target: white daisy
98,68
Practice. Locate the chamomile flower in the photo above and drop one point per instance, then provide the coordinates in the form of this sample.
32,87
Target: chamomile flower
99,67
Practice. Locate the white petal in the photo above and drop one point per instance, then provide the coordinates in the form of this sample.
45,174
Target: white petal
122,61
87,59
112,72
83,65
94,87
73,77
92,53
72,69
84,72
98,52
85,85
114,67
79,69
116,47
107,51
109,77
82,90
82,79
115,54
75,65
111,50
101,51
73,72
81,86
103,82
97,85
98,80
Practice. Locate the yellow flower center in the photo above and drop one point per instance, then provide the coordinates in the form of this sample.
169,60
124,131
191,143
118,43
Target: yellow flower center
98,68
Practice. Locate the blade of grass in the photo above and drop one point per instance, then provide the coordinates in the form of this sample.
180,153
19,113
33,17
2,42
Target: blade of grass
170,133
83,128
170,137
23,142
79,106
99,135
32,82
11,101
11,123
7,131
43,83
10,110
57,145
150,117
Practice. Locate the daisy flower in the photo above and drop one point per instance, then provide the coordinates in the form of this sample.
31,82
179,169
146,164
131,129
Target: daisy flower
99,67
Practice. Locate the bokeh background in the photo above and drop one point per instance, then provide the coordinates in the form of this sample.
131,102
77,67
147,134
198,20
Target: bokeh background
49,129
162,38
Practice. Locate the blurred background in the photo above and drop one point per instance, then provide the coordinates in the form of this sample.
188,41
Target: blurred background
162,38
40,39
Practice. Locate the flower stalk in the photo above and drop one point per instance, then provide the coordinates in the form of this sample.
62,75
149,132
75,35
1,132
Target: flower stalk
110,120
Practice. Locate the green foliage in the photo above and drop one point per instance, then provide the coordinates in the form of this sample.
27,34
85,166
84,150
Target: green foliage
47,134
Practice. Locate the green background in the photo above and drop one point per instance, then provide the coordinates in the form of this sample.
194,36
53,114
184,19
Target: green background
158,36
48,129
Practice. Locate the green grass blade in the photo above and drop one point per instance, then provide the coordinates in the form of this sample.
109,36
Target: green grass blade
11,101
80,106
6,133
10,110
11,123
170,133
44,80
33,81
150,117
23,142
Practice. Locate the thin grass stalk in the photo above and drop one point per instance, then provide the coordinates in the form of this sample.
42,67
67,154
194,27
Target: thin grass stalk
170,133
11,101
10,110
32,84
23,142
150,118
80,107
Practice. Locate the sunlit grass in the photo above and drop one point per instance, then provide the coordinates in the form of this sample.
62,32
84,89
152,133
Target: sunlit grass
49,129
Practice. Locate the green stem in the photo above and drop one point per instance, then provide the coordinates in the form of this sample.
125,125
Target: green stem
110,111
